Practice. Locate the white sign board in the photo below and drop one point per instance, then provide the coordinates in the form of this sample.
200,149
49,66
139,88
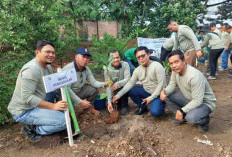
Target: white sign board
58,80
154,44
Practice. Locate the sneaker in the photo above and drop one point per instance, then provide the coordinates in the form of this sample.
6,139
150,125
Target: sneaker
31,134
177,122
222,69
212,78
207,74
203,128
124,111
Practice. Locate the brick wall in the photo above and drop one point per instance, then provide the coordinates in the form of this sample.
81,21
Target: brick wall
100,27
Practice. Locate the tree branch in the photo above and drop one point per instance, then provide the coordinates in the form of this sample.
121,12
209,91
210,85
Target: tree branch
215,4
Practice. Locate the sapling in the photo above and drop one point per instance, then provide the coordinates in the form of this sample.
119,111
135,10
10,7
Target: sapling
111,74
107,70
166,66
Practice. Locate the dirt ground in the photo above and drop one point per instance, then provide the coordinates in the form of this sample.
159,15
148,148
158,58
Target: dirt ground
134,136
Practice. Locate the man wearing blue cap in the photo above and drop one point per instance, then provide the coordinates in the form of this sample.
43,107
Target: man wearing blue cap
80,91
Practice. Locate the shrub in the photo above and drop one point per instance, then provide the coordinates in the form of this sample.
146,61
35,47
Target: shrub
11,62
101,48
22,23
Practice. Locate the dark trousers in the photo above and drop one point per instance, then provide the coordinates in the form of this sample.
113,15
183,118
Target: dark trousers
51,97
208,66
88,92
198,116
123,101
231,58
214,54
157,106
164,54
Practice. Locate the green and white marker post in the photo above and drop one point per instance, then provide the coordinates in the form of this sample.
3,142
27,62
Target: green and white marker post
72,112
60,80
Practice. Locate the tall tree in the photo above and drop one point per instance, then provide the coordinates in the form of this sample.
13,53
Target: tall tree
225,10
25,21
182,11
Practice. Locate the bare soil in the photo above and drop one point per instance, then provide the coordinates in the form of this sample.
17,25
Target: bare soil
134,136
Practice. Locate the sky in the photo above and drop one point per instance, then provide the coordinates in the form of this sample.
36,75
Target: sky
212,10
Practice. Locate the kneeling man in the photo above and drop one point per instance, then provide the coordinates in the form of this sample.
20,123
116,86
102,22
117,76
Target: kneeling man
119,75
152,76
196,100
30,104
84,91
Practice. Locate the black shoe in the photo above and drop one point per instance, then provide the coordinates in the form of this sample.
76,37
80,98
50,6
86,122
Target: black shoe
177,122
204,127
124,111
141,111
31,134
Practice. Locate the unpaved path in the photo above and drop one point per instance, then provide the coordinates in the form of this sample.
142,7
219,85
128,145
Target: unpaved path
135,136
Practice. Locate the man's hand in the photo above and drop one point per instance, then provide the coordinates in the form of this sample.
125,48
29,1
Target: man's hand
199,53
60,106
148,101
163,95
179,115
115,99
114,87
106,83
85,104
110,108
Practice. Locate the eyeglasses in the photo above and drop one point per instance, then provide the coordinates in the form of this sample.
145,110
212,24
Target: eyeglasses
141,56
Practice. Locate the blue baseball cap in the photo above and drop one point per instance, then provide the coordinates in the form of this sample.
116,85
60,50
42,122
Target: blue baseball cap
83,51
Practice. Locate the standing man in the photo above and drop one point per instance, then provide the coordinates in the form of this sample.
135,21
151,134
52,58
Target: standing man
196,100
214,42
215,29
80,90
119,74
152,76
226,39
130,58
186,41
29,104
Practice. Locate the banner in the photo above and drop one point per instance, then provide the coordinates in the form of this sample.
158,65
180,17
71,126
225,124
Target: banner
154,44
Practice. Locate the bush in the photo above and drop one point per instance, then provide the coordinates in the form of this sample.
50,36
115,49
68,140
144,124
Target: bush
10,63
22,23
101,48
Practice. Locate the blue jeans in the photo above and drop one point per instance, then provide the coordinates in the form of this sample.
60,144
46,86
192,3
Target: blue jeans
131,65
198,116
157,106
46,121
224,58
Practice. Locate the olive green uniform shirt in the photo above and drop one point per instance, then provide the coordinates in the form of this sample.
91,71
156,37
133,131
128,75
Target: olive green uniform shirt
152,78
29,90
83,77
194,86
